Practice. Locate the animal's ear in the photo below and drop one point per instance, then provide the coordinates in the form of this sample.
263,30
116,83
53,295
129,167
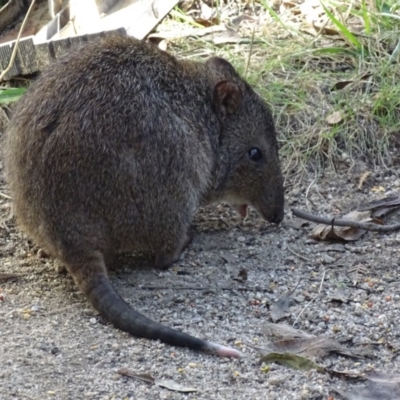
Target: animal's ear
221,65
227,98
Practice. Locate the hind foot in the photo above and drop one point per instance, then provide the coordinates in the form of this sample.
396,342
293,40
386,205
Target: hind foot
165,260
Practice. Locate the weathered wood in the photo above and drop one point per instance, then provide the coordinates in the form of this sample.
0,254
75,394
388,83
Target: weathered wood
33,57
138,17
75,24
50,30
26,57
43,55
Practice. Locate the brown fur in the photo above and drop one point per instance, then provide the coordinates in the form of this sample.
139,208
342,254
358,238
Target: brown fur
113,149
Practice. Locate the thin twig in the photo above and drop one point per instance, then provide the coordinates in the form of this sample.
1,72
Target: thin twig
308,190
298,255
6,196
14,53
345,222
313,299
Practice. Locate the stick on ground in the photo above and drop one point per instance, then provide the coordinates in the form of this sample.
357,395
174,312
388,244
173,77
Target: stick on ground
345,222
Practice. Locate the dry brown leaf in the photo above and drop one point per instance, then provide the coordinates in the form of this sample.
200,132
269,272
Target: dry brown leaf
175,386
142,377
340,295
311,348
334,118
293,361
341,84
326,232
325,30
284,331
165,383
207,22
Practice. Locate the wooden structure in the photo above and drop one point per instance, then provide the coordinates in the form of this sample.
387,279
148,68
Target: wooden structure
81,21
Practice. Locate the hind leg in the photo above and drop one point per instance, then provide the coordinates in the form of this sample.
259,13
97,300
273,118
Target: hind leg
169,255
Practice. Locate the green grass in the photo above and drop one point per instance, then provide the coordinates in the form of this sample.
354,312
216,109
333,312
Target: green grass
349,67
300,76
11,95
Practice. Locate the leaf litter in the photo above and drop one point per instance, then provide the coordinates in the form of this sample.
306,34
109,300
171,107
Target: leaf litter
299,350
164,383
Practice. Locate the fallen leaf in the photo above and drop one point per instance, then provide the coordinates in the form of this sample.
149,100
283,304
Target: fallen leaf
142,377
166,383
325,30
207,22
234,23
377,189
381,207
311,348
327,232
334,118
284,331
293,361
229,36
280,309
176,387
339,295
341,85
379,385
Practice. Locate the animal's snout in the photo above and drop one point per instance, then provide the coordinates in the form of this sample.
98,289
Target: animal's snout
277,217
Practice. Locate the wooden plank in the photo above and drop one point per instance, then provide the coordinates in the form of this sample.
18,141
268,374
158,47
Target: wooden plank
33,57
51,29
133,17
83,14
25,55
138,17
44,55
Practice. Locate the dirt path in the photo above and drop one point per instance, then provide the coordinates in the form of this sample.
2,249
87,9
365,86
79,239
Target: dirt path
54,346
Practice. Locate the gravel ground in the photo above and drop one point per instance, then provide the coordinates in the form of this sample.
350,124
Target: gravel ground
53,345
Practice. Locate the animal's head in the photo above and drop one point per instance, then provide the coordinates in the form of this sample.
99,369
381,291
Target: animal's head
248,169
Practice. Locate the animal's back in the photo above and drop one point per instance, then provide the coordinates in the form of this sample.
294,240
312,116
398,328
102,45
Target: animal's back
106,140
113,148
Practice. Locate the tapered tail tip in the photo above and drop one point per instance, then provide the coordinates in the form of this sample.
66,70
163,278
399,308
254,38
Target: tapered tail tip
223,351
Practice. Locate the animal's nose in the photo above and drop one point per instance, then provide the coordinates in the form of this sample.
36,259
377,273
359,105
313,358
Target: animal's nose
277,217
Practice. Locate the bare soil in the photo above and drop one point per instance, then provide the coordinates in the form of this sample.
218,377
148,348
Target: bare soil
53,345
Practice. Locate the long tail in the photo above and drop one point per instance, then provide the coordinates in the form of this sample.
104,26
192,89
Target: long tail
93,281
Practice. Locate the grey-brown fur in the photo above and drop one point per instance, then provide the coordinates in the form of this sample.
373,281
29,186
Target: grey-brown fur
113,149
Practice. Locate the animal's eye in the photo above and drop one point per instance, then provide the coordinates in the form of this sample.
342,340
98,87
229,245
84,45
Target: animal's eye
255,154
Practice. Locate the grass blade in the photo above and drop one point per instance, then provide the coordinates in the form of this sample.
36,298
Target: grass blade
344,31
11,95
